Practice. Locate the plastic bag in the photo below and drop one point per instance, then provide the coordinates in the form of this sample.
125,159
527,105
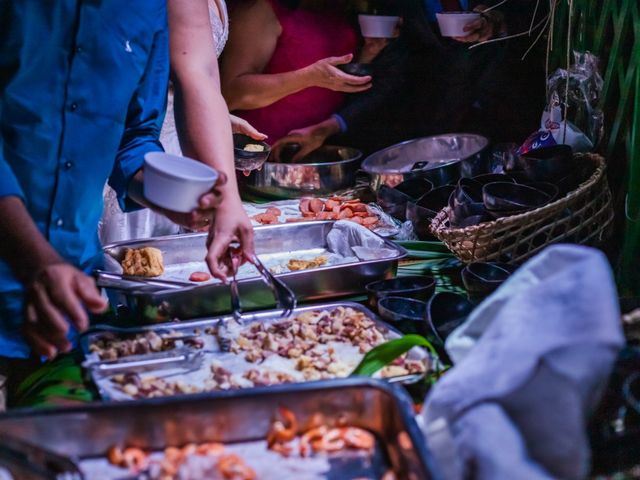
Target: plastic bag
575,119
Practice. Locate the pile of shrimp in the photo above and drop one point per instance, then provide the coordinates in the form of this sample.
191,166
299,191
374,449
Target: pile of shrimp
227,466
334,208
284,436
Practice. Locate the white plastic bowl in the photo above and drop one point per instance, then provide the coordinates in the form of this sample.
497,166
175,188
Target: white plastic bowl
176,183
378,26
452,23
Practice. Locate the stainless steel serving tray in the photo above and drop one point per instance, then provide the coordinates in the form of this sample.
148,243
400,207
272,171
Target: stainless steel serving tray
237,419
154,304
102,371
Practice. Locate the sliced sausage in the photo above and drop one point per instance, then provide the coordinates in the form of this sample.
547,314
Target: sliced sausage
331,204
346,213
274,211
199,277
316,205
368,221
304,205
358,207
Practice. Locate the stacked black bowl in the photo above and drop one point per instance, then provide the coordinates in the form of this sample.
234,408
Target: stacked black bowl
421,212
393,201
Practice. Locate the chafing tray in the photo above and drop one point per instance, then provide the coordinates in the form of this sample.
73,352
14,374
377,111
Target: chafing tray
240,420
184,254
101,372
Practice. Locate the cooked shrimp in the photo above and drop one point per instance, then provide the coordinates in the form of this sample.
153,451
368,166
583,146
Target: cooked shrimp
134,458
283,429
232,467
358,438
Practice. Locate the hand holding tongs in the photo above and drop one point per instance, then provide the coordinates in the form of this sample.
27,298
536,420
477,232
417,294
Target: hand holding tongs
285,298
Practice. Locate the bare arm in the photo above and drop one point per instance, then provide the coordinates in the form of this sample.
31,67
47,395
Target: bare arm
55,289
252,41
203,122
23,246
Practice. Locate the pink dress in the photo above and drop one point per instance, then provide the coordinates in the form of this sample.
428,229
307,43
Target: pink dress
306,38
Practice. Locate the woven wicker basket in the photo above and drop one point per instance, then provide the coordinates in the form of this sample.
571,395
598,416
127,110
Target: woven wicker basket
583,216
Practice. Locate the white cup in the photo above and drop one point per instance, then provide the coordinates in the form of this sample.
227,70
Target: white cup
176,183
452,23
378,26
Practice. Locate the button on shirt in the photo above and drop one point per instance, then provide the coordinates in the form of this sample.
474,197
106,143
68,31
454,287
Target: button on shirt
82,97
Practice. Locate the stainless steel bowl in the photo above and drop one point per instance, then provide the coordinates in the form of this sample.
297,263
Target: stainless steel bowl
322,172
441,159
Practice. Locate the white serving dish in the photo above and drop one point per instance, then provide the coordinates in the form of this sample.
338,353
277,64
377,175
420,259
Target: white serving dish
452,23
176,183
378,26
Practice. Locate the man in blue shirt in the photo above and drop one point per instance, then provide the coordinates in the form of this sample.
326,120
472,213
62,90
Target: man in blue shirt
83,88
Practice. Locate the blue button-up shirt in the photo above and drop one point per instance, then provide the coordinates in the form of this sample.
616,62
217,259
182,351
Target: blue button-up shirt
83,88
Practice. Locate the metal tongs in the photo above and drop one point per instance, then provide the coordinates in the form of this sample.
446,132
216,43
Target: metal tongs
183,358
285,298
35,461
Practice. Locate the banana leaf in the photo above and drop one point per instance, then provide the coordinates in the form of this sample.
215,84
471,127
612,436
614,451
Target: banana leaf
384,354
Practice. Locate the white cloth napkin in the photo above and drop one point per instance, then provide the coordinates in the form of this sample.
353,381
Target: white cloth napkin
530,364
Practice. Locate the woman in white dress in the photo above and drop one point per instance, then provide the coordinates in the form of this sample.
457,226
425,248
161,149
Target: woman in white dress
211,145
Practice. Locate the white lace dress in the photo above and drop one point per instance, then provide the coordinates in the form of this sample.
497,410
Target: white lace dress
116,226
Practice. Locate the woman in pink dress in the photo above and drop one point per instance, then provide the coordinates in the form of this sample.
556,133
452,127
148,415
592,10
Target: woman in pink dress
279,70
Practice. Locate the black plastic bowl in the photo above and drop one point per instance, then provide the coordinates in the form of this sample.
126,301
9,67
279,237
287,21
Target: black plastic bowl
483,278
507,197
417,287
547,163
436,199
467,191
394,200
405,314
415,187
446,311
549,188
357,69
246,160
461,212
492,178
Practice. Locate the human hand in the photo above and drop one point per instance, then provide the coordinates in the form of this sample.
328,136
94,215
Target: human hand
240,125
231,224
309,139
324,74
484,28
202,216
59,295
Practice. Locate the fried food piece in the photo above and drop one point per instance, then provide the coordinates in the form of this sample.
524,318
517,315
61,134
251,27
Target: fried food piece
199,277
295,265
253,147
143,262
274,211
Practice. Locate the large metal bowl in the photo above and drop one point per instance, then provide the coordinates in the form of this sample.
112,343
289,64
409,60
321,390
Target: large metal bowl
441,159
322,172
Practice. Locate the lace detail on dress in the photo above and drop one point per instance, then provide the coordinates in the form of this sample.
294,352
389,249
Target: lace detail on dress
118,226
